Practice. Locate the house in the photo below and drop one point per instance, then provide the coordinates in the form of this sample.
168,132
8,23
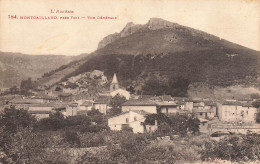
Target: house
41,111
140,104
236,111
210,105
72,109
184,103
65,96
121,92
131,119
204,113
42,98
167,108
86,105
102,104
167,99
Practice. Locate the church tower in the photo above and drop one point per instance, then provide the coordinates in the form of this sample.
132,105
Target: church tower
114,84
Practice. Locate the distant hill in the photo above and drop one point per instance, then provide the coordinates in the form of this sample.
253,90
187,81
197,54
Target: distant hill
167,51
14,67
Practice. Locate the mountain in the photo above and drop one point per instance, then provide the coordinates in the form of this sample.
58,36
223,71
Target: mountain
161,52
14,67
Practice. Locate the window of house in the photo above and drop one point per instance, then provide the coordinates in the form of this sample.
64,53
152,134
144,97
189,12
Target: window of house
201,114
126,120
115,125
135,118
247,112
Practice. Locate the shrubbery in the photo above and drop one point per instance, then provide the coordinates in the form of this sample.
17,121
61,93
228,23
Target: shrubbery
22,142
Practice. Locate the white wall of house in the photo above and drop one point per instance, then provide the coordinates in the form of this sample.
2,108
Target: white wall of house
233,113
134,120
214,108
149,109
188,106
40,108
82,107
121,92
71,111
169,110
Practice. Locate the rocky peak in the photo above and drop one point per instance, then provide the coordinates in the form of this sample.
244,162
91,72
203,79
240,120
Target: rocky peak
158,23
131,28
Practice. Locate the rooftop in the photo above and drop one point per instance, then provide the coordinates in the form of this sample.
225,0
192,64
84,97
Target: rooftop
136,111
87,103
139,102
102,100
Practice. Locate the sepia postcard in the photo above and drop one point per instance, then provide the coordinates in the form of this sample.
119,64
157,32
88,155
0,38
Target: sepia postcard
128,81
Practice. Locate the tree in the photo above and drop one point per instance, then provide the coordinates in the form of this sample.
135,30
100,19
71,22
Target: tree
26,84
55,122
178,86
13,89
93,112
256,104
116,103
11,119
177,124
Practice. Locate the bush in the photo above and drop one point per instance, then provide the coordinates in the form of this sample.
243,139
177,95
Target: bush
72,138
55,122
234,148
12,119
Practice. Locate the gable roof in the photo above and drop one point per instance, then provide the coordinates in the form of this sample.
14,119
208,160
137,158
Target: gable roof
166,104
102,100
139,102
87,103
209,103
142,112
238,103
166,98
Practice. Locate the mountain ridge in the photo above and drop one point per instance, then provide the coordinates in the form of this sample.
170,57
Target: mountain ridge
141,50
15,67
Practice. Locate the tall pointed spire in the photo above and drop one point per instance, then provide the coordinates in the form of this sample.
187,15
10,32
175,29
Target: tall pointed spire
114,79
114,84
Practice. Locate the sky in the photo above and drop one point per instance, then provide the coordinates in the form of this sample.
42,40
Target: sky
237,21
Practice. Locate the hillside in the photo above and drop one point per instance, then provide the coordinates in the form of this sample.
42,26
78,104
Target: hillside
165,52
14,67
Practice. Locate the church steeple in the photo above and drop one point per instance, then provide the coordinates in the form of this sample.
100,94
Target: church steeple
114,79
114,84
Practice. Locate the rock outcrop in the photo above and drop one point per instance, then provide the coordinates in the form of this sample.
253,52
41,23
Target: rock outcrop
131,28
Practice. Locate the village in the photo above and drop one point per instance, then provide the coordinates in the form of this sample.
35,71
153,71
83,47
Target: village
233,116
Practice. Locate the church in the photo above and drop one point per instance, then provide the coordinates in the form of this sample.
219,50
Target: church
115,89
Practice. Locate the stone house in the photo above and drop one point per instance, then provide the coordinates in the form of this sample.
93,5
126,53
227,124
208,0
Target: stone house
131,119
235,111
72,109
140,104
102,104
41,111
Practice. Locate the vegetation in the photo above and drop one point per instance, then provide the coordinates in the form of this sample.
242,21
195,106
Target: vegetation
173,72
174,125
23,141
256,104
116,104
